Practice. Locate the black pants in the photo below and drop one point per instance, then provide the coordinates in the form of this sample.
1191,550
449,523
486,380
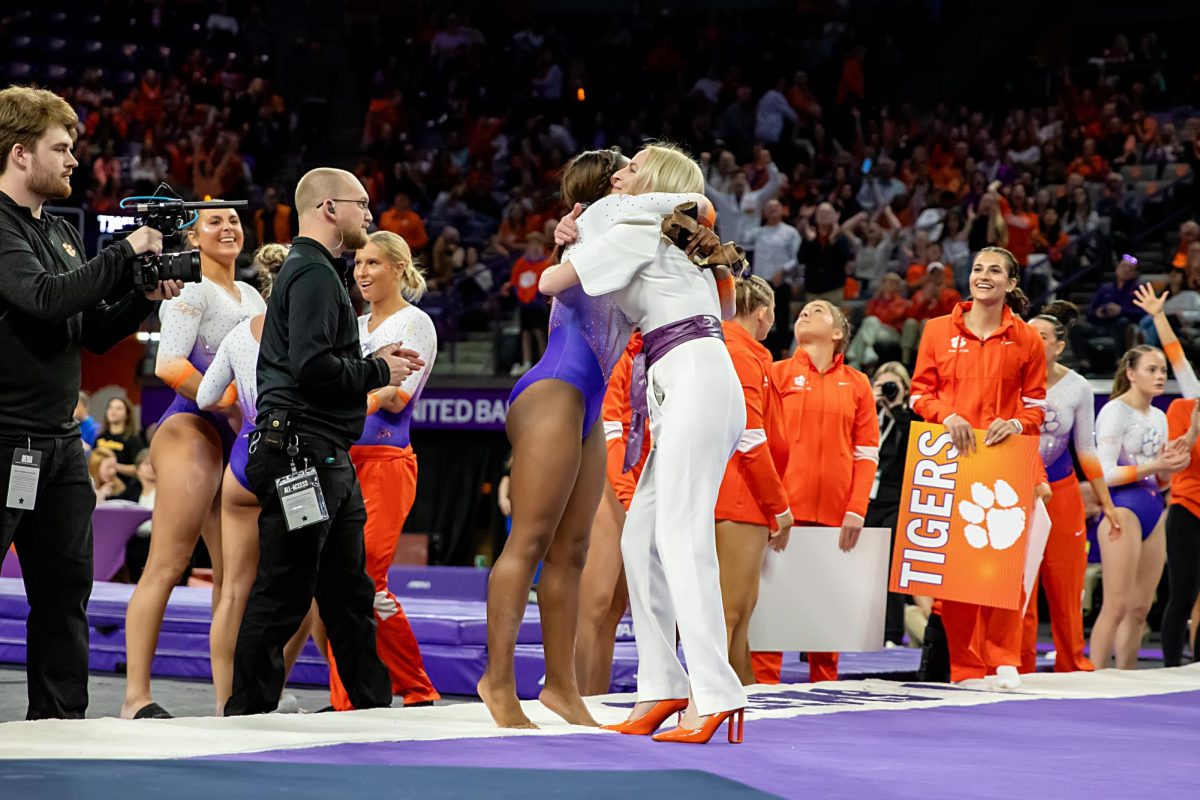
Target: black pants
779,340
1183,572
326,561
54,541
883,514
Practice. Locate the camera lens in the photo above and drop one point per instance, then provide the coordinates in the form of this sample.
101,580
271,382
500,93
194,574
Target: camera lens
890,390
184,266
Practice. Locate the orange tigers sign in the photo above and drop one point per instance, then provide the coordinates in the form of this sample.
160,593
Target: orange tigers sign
963,527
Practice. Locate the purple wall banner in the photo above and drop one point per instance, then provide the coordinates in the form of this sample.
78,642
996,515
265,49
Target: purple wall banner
478,409
474,409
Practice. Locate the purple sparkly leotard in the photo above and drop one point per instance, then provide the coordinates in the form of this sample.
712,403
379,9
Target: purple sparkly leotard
588,334
193,326
569,352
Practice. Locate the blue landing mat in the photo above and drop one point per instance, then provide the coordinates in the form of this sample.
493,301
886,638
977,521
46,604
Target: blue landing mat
200,780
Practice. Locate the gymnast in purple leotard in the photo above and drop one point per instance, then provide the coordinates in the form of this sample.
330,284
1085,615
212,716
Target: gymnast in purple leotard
558,467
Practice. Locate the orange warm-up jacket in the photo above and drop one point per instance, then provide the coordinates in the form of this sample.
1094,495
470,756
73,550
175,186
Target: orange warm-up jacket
826,442
1185,484
616,414
752,491
1001,377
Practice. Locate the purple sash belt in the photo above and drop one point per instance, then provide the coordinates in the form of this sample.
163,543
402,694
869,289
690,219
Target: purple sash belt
656,344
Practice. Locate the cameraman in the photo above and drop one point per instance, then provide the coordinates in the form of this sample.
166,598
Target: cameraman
51,302
312,401
891,383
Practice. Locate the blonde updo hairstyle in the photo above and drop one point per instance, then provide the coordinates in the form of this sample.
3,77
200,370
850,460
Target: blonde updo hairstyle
399,255
668,168
267,261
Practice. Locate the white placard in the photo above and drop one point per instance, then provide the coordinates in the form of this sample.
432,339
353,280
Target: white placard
815,598
1039,534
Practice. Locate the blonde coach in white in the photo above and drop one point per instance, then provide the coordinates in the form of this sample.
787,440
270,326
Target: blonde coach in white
697,413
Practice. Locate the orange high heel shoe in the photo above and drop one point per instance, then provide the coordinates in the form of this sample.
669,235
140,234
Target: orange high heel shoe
705,732
649,722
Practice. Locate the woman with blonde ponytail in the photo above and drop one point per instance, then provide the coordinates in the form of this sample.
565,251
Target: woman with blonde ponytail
235,365
390,280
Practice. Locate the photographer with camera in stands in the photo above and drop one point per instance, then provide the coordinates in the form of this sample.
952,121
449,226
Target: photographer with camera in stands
52,302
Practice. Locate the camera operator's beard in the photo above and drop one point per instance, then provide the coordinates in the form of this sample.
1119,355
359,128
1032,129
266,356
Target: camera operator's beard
45,183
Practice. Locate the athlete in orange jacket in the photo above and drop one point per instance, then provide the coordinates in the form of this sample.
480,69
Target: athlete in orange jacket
602,592
752,507
983,367
830,450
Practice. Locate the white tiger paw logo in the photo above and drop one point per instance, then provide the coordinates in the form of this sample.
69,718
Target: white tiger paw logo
993,518
1050,424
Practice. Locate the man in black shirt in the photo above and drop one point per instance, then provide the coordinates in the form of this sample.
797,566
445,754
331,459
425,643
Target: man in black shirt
825,251
51,302
312,397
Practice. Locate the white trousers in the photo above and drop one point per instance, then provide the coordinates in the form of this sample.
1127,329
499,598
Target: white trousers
697,414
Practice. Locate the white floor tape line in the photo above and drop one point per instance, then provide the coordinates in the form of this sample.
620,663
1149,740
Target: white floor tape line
209,736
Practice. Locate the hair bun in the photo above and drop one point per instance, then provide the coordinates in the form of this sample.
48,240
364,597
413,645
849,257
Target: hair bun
1067,313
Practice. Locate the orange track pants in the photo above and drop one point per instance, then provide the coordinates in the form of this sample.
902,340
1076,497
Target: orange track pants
768,665
389,485
980,638
1061,575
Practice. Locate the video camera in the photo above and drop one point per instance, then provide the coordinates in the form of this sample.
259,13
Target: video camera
168,215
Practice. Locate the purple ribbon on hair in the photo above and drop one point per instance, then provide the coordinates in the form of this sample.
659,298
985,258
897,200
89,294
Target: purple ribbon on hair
656,344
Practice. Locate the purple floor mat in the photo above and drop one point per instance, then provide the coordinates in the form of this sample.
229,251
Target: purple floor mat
1029,748
451,632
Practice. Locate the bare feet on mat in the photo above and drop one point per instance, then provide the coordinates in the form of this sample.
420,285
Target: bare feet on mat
504,706
568,705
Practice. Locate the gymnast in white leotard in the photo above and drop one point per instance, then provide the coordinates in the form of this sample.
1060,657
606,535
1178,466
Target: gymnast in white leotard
190,447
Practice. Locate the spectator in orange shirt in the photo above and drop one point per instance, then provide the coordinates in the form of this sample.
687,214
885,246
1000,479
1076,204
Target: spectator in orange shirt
1189,232
886,312
1090,164
515,227
534,310
828,446
752,508
1021,222
934,299
401,220
273,223
915,277
1049,239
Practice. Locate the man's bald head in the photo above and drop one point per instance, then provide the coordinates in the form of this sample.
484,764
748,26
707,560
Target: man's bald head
325,183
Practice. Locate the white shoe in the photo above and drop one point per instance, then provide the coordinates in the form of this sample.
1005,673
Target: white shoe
520,369
1007,678
288,704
